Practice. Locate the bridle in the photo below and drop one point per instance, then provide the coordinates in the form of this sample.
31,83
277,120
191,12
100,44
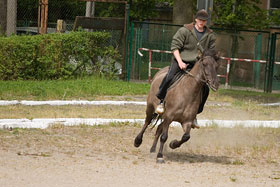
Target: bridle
204,80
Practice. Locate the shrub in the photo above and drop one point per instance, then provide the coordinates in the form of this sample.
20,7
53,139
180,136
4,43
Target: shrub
55,56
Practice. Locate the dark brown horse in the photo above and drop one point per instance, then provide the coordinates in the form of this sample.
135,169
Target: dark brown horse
181,102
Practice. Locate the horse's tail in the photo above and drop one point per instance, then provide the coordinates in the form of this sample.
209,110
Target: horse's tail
155,119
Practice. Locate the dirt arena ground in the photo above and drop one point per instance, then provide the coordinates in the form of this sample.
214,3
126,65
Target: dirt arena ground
105,156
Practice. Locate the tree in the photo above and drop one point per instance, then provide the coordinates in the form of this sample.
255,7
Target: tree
140,10
68,9
243,14
183,11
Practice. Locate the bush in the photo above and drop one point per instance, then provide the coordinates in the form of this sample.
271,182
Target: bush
55,56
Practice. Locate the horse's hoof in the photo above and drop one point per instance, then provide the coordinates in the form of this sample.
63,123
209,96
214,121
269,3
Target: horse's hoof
160,161
195,126
137,142
173,145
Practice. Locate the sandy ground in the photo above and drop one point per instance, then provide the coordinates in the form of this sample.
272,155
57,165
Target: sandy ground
105,156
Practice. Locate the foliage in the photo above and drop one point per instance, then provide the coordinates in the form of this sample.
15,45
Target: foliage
2,32
109,65
53,56
242,14
66,9
139,9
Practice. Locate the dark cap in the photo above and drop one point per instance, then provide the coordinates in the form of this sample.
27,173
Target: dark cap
201,14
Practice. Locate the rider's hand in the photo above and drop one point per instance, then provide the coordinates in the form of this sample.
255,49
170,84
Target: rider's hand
182,65
177,56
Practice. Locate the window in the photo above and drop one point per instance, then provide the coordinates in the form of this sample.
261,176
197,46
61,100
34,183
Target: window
274,4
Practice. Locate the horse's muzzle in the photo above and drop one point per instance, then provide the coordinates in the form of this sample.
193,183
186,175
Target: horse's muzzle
214,85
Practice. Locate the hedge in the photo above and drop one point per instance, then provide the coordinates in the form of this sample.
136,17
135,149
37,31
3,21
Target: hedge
54,56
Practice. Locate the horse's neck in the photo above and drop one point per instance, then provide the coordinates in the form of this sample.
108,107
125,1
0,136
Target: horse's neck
191,83
195,73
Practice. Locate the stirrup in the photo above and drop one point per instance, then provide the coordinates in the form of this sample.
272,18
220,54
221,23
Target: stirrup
160,108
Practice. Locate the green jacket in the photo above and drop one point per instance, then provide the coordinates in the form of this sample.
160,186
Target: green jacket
185,40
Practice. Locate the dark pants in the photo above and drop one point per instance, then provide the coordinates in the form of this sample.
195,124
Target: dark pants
173,70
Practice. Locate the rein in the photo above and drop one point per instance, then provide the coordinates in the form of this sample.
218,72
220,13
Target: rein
195,77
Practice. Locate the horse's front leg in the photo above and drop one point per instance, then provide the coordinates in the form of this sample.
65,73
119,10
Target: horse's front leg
149,117
163,138
186,136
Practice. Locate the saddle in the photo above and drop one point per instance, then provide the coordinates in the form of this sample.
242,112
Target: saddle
179,75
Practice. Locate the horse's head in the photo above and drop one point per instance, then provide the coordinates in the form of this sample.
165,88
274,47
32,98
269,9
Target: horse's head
210,63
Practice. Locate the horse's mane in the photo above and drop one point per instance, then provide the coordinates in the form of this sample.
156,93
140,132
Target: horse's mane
211,52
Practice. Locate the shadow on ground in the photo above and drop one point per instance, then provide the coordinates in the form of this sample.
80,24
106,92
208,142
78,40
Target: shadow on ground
196,158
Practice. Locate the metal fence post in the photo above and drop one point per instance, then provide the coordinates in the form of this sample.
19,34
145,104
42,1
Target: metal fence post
257,66
130,51
137,59
124,66
270,64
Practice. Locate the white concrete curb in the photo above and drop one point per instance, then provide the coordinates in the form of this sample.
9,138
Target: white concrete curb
45,122
70,102
86,102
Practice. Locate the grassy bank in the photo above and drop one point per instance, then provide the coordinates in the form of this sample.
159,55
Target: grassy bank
91,87
86,88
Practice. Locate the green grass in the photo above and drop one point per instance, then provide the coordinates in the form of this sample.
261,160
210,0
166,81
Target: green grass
91,87
241,96
86,88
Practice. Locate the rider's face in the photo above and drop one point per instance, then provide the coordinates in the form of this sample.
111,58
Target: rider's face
200,23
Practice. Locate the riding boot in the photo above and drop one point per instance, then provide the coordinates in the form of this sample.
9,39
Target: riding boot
204,96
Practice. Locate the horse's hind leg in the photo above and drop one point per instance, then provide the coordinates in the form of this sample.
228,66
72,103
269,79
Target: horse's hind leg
150,115
186,136
163,138
158,133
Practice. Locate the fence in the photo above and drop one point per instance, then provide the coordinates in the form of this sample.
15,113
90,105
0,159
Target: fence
27,12
244,44
226,75
274,73
27,16
258,45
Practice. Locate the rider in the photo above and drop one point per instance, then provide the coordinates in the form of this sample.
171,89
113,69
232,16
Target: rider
188,42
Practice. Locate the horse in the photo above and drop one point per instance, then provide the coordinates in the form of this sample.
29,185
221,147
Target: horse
182,101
